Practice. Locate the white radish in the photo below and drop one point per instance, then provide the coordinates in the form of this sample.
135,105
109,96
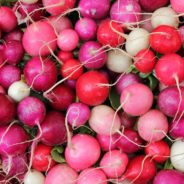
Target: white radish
34,177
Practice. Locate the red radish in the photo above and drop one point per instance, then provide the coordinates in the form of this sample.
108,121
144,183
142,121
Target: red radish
103,120
92,55
53,129
8,75
71,69
127,121
61,173
61,97
86,29
125,11
177,5
57,7
126,80
64,56
2,90
67,40
13,52
145,61
152,126
165,39
140,170
80,159
176,128
136,99
91,176
7,109
31,111
107,142
88,88
13,140
78,114
170,69
35,177
71,83
107,33
13,35
160,151
16,165
39,39
97,9
8,20
114,163
169,177
152,5
129,141
40,74
42,160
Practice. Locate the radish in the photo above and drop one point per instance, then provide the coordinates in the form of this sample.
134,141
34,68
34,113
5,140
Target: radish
78,114
91,176
8,20
136,99
53,129
152,5
80,159
176,128
86,29
16,34
114,163
103,120
152,126
8,75
18,91
91,55
165,39
137,40
39,39
40,74
169,177
67,40
7,109
146,23
2,90
173,66
64,56
177,155
61,173
126,11
35,177
181,31
13,140
160,151
70,83
164,16
177,5
29,1
118,61
88,88
127,121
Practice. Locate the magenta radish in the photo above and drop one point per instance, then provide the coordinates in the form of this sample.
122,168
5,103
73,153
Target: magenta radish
103,120
7,109
8,75
71,83
39,39
91,176
8,20
177,5
35,177
92,55
176,128
31,111
80,159
152,126
53,129
78,114
136,99
13,140
126,80
114,163
127,121
86,29
16,34
40,74
61,173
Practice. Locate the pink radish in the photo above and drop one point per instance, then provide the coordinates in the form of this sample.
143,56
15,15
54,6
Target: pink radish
177,5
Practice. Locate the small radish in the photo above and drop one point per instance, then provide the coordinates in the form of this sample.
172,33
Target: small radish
35,177
61,173
88,88
177,5
152,126
80,159
136,99
114,163
16,34
103,120
64,56
176,128
127,121
71,83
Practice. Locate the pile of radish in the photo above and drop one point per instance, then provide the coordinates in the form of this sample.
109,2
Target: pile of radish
92,92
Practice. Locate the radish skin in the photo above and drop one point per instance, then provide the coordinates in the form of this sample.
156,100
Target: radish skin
35,177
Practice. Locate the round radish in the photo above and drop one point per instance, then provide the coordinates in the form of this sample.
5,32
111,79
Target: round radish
152,126
177,5
16,34
64,56
83,152
35,177
103,120
176,128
